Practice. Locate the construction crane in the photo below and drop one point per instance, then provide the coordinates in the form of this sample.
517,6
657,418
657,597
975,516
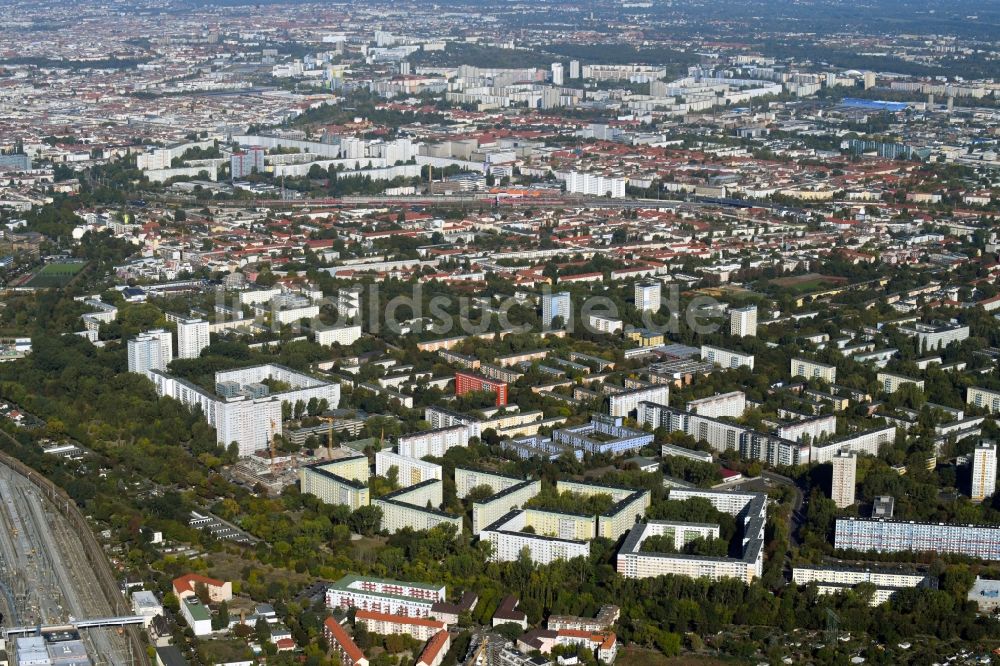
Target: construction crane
274,444
329,441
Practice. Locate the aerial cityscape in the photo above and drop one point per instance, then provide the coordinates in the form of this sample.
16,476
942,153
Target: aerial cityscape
634,332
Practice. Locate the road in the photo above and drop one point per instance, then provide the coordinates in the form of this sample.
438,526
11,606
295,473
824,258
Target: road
43,566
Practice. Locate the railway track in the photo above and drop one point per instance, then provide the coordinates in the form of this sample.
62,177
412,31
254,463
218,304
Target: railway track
56,566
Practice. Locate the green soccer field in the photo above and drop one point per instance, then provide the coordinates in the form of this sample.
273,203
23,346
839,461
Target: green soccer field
54,275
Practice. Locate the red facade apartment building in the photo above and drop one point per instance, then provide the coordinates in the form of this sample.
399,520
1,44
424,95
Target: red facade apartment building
466,382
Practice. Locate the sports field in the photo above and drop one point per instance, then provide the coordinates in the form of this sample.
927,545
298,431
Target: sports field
804,284
54,275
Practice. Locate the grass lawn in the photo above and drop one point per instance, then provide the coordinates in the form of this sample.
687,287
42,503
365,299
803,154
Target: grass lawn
632,656
803,284
54,275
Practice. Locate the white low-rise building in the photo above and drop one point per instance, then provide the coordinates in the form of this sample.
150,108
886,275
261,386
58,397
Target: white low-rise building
409,471
341,335
725,357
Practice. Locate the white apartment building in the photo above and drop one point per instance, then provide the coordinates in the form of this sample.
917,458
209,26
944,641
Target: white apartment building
627,402
250,422
467,479
493,508
801,367
304,387
558,74
890,536
935,336
341,482
647,296
415,508
812,428
751,508
258,296
349,302
984,471
162,158
409,471
981,397
289,308
725,436
630,505
731,404
743,321
681,452
890,382
432,442
593,185
556,305
509,540
439,417
341,335
845,465
887,582
150,350
192,337
604,324
725,357
869,442
397,515
384,596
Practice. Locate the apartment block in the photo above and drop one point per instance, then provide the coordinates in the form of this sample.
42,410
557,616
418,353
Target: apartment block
151,350
386,624
726,358
250,423
890,382
342,644
743,321
984,471
192,337
466,382
594,185
340,335
930,337
890,536
493,508
725,436
439,417
647,296
556,305
409,471
603,434
887,582
509,538
467,479
432,442
869,442
981,397
801,367
382,595
690,454
813,429
604,324
750,508
414,508
343,482
731,404
626,403
845,465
